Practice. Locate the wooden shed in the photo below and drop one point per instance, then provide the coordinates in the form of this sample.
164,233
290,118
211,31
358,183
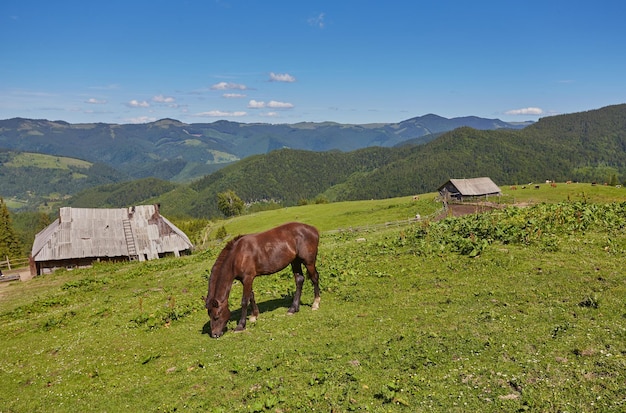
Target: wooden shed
468,189
81,236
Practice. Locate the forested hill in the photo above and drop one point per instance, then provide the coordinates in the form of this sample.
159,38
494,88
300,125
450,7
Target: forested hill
176,151
587,146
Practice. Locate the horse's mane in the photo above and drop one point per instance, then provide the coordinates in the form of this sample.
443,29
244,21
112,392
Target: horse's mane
219,262
227,249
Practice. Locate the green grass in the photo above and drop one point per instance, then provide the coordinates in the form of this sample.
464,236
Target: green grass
404,325
14,203
336,215
562,192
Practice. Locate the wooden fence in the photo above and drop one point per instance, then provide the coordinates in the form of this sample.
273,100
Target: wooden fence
13,263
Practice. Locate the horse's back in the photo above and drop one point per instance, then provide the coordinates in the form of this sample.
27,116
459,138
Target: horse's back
308,232
305,235
302,239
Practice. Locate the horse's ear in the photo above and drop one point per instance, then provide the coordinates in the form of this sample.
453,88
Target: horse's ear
214,303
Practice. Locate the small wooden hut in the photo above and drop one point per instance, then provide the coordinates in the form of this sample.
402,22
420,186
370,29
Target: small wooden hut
81,236
468,189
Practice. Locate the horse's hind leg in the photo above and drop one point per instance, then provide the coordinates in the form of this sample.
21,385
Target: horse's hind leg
255,308
315,277
296,267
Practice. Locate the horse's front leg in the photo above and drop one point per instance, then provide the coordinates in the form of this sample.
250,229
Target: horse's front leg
245,300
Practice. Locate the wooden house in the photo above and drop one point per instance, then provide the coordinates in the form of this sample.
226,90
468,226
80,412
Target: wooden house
468,189
81,236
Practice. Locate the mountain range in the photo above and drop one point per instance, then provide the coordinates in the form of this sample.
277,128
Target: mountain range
587,146
180,152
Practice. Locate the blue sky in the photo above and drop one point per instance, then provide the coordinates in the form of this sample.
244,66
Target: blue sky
290,61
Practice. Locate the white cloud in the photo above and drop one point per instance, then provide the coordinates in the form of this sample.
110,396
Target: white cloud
233,95
138,104
524,111
163,99
255,104
279,105
317,21
228,86
95,101
221,114
281,77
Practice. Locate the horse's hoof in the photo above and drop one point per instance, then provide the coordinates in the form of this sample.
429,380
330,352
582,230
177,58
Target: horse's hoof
252,319
239,329
316,304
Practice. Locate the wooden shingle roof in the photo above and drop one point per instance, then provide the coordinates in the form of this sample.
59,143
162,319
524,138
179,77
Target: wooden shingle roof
471,187
120,232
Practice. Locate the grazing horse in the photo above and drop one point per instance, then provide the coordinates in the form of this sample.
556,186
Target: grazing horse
247,256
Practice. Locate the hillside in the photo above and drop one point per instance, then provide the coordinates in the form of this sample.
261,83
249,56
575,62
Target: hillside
587,146
34,179
480,314
121,194
175,151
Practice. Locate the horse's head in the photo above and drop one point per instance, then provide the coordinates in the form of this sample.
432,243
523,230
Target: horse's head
219,314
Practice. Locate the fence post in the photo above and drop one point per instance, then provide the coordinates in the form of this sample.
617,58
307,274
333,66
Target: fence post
8,263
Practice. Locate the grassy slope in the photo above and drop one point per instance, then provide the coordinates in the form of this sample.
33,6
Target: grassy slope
334,216
46,161
517,328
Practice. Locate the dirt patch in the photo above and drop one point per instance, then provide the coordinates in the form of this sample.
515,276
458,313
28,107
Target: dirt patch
23,274
457,210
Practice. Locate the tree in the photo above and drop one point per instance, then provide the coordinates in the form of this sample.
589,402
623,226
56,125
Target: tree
26,225
9,242
229,203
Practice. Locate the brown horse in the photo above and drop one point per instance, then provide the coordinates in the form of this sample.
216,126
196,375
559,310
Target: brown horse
247,256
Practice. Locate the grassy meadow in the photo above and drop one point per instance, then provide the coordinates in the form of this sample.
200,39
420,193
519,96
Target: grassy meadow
516,310
39,160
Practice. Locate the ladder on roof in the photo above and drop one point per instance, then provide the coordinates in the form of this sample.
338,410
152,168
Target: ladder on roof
130,240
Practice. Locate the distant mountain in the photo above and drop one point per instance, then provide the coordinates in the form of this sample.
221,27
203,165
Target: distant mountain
171,150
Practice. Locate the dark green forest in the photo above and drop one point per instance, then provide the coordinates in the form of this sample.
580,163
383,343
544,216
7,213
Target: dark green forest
121,194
